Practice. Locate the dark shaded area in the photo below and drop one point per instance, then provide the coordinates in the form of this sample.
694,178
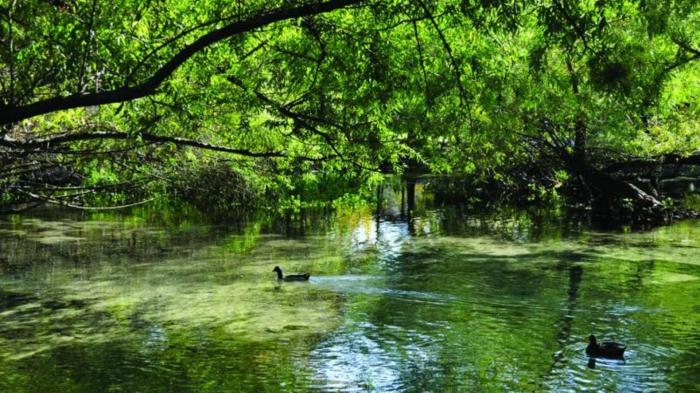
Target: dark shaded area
10,300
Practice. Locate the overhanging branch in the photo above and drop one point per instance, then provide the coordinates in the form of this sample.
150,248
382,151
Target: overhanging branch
448,49
300,120
46,143
11,114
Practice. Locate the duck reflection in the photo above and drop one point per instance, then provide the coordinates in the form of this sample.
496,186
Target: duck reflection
591,363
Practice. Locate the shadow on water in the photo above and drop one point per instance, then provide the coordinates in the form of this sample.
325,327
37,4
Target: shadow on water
10,300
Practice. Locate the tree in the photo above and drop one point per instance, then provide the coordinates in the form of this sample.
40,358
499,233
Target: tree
83,55
344,90
578,85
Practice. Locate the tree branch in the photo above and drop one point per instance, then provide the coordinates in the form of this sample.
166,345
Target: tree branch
53,201
301,121
11,114
422,63
46,143
448,49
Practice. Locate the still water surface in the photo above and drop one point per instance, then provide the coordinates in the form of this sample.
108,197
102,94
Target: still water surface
444,301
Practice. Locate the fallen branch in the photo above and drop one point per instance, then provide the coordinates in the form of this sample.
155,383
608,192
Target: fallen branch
646,163
53,201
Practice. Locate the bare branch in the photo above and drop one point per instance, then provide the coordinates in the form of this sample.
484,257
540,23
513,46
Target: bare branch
54,201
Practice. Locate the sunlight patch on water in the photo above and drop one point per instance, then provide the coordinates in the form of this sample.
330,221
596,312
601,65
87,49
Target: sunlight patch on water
226,293
671,278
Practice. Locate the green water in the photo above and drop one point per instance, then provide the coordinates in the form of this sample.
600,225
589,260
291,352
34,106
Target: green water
444,301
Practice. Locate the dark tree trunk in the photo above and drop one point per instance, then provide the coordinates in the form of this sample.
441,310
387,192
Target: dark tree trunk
607,189
410,194
380,199
580,142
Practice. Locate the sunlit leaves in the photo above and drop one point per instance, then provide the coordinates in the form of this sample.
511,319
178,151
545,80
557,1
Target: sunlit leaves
385,86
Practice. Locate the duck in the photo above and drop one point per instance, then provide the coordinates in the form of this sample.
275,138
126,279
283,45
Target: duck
290,277
607,349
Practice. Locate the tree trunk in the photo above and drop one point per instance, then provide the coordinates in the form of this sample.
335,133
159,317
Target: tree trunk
380,199
410,194
580,142
606,188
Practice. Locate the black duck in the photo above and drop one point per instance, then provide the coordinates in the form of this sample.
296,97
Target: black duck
606,349
290,277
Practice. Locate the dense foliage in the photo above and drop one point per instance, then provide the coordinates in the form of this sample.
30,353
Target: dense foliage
115,102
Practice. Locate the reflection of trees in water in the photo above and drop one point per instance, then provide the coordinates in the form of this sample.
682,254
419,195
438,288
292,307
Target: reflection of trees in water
488,299
563,335
392,329
216,364
643,271
448,358
31,243
565,322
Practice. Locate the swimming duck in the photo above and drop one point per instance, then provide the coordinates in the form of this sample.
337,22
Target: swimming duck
290,277
607,349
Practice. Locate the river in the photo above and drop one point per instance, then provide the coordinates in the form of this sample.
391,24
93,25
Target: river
440,301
